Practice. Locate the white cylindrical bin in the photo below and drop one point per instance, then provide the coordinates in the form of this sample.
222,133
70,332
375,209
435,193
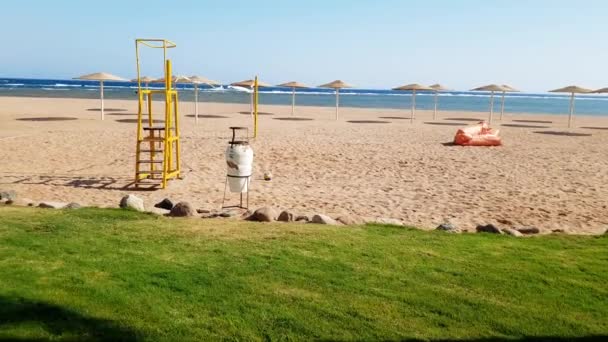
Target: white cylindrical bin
239,159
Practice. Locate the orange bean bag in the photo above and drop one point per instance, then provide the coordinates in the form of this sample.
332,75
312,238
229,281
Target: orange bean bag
477,135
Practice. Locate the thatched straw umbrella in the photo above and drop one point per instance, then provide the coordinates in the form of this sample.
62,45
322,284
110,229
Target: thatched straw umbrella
101,77
175,79
572,90
491,88
196,80
293,85
337,85
250,84
437,88
413,88
144,79
507,88
601,91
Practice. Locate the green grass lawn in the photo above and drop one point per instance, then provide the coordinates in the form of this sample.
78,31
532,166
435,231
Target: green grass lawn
103,274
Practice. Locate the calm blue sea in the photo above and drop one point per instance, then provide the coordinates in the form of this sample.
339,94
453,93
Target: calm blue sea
362,98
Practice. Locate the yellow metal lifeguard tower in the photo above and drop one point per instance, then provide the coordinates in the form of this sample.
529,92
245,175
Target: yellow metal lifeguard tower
157,149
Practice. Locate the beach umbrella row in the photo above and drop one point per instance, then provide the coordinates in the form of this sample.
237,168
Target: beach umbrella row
337,85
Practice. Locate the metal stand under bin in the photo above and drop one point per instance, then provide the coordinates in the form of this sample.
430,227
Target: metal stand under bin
246,151
240,205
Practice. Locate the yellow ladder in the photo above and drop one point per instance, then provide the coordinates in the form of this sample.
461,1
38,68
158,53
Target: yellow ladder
160,136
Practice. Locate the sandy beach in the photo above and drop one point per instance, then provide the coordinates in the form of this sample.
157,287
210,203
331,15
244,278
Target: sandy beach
393,169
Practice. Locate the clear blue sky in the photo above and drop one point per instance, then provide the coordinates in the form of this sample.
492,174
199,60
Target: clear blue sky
534,45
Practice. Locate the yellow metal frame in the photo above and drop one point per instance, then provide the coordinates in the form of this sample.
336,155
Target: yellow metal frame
168,134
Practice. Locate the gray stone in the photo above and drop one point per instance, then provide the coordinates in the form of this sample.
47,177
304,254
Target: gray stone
73,205
351,220
528,230
512,232
488,228
448,227
8,195
302,218
132,202
286,216
182,209
389,221
264,214
323,219
230,213
164,204
52,205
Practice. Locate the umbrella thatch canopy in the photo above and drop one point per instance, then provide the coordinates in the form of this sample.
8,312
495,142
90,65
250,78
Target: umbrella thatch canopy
144,79
175,79
507,89
601,91
337,85
202,80
101,77
437,88
572,90
196,80
293,85
250,84
413,88
491,88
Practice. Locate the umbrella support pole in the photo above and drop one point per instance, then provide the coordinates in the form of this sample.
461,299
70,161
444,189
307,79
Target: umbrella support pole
491,108
101,96
502,105
435,107
196,103
413,114
293,100
337,101
251,102
571,110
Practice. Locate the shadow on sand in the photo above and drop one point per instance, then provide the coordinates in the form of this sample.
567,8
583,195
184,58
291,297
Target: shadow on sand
58,322
295,118
259,113
395,117
145,120
107,110
463,119
368,122
446,123
523,126
564,133
597,128
48,118
207,116
102,183
534,121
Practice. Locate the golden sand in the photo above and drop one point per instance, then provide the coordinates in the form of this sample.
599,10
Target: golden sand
394,170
